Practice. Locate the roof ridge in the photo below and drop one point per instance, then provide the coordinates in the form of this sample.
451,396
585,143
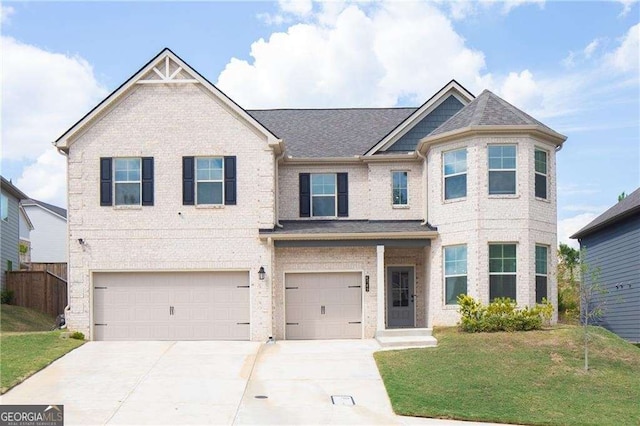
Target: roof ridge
480,106
333,109
520,113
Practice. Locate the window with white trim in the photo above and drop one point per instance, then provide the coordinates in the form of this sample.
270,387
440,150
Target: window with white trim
502,271
400,193
323,195
454,170
127,182
541,173
541,272
502,169
455,273
4,208
209,181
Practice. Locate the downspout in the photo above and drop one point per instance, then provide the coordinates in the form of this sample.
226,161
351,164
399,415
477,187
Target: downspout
425,206
68,307
277,190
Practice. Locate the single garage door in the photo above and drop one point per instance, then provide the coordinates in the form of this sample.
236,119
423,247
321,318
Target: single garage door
323,305
171,306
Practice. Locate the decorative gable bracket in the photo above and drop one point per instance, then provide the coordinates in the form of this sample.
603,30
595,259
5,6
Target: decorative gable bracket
167,72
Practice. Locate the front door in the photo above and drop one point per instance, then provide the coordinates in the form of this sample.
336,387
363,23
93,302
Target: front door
400,297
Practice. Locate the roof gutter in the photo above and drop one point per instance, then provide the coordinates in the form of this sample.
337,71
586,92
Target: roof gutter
420,235
356,159
504,131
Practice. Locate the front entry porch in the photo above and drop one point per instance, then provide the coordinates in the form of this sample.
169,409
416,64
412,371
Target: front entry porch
402,297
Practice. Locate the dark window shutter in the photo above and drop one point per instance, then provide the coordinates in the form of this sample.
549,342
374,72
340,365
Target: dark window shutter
305,195
188,181
147,181
230,180
106,192
343,195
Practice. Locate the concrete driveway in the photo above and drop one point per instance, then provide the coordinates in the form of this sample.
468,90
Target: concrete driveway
215,383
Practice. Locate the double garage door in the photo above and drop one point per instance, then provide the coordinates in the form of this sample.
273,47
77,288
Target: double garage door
171,306
323,305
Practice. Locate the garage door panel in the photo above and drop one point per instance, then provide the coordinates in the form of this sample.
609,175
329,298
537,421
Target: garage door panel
206,306
323,305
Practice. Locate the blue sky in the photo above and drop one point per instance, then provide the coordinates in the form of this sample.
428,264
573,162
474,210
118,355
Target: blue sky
573,65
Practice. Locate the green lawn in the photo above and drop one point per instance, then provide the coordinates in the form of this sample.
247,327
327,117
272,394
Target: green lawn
24,348
532,377
16,318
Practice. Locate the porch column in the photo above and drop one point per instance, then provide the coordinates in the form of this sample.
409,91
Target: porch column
380,287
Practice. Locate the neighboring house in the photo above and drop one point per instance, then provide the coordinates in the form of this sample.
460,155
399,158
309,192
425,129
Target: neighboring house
612,248
192,218
9,228
49,238
26,226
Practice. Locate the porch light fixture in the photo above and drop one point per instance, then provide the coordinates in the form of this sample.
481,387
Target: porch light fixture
261,273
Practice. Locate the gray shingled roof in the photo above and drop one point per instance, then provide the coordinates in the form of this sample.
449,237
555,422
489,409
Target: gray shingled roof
55,209
487,110
347,226
314,133
630,205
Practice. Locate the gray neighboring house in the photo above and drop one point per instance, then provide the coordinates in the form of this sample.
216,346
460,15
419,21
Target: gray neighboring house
9,227
612,243
49,238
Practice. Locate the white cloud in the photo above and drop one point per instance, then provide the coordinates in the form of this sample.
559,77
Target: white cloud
626,7
626,58
509,5
591,47
43,94
5,13
46,178
586,208
355,57
571,225
296,7
521,89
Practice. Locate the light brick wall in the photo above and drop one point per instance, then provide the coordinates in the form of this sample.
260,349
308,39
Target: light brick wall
381,196
166,123
289,189
325,259
480,219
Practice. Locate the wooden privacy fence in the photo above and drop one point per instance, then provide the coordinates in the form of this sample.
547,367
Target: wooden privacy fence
40,290
57,269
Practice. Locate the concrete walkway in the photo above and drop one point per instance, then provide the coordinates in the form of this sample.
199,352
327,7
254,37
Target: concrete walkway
215,383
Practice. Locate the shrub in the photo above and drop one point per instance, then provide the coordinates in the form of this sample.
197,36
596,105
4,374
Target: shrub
77,335
501,315
6,297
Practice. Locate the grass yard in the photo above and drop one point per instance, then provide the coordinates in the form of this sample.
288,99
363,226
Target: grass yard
534,377
19,319
24,347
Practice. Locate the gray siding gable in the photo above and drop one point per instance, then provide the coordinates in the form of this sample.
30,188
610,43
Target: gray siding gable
443,112
615,250
9,231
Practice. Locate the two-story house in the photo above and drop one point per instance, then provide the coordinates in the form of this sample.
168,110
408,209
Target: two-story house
192,218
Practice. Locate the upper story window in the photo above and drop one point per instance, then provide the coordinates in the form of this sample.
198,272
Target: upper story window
455,174
400,193
128,181
209,180
502,271
4,207
541,272
324,194
541,173
502,169
455,273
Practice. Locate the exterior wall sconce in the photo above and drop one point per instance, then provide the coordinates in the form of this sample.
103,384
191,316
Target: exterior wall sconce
81,241
261,273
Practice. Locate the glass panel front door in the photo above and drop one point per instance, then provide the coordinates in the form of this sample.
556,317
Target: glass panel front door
400,297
